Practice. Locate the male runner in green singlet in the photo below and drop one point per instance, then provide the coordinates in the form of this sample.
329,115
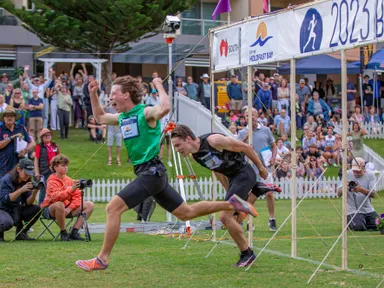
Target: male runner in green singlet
141,132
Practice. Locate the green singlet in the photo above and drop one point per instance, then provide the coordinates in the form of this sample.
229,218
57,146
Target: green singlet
142,141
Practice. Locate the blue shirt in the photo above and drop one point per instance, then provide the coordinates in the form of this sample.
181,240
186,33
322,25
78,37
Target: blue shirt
234,91
263,100
377,88
191,90
35,113
8,156
6,188
302,92
287,121
350,96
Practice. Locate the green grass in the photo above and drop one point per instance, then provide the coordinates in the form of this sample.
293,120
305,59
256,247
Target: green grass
376,145
89,160
140,260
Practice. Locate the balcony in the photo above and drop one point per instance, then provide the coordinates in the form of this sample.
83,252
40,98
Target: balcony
198,26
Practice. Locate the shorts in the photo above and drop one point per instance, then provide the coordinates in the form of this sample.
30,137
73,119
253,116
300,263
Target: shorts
242,182
114,136
152,180
36,123
236,104
368,100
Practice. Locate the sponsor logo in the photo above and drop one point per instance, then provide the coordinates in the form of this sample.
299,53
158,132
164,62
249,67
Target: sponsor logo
261,35
226,49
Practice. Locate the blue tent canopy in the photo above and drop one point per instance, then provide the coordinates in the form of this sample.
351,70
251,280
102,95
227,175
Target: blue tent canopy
377,61
319,64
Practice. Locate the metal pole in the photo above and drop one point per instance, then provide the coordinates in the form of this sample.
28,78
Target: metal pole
250,138
212,100
345,155
170,81
293,155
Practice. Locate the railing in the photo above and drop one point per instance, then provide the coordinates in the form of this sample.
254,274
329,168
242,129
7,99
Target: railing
104,190
198,26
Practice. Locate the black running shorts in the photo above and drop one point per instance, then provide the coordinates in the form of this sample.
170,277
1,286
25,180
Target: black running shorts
151,180
242,182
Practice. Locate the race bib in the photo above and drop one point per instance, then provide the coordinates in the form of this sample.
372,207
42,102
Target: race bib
129,127
211,161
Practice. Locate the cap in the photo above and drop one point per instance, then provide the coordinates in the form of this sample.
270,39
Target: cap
4,75
302,81
153,91
27,166
357,164
36,79
276,75
45,131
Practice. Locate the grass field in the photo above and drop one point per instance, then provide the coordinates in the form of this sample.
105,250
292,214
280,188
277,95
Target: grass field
140,260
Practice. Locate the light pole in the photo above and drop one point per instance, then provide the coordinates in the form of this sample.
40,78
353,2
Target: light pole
169,40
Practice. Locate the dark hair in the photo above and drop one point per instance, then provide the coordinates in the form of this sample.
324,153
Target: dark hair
242,117
15,177
132,86
182,131
59,160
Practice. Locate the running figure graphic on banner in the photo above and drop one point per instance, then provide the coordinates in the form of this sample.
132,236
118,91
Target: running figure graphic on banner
312,34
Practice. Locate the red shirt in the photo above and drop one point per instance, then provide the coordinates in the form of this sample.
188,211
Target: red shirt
52,152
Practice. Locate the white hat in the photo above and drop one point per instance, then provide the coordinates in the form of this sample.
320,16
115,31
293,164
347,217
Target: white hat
205,75
357,164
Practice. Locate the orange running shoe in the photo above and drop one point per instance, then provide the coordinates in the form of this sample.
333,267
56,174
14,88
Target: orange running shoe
242,206
91,265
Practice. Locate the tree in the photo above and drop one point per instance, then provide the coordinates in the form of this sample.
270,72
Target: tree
97,27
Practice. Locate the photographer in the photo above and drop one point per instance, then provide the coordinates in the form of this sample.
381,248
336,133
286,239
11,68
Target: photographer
63,199
16,200
361,182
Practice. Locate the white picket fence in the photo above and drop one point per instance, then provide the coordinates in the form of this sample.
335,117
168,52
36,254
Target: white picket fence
104,190
375,130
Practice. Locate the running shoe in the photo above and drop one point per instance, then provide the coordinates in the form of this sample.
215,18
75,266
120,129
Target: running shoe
245,260
272,224
334,165
243,206
325,165
91,265
273,187
169,163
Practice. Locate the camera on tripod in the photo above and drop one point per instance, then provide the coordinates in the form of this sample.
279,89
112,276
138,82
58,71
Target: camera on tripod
38,183
85,184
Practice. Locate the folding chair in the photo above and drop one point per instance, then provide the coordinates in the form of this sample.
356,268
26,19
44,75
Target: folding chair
48,222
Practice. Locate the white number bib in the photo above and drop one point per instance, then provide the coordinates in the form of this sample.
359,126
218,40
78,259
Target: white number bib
130,127
211,161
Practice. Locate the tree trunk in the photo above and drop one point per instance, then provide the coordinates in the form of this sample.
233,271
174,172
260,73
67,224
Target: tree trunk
106,72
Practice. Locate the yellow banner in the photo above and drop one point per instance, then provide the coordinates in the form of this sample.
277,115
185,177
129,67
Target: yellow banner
44,51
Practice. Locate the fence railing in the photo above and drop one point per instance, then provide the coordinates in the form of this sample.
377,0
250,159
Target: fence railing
375,130
104,190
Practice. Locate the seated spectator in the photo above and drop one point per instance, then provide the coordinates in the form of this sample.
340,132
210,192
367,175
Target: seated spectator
287,143
262,119
233,129
44,153
373,119
16,200
338,146
335,120
282,151
241,123
357,116
9,131
232,118
317,106
314,170
63,199
97,132
320,121
311,124
282,123
308,140
299,114
284,171
330,148
365,180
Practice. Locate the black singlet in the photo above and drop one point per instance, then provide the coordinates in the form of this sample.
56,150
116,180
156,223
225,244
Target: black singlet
225,162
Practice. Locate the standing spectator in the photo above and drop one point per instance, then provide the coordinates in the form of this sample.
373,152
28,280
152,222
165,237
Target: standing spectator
367,94
191,88
282,123
378,87
244,87
79,108
3,105
318,107
283,95
330,91
8,132
319,89
299,114
303,92
54,119
235,94
113,134
8,93
44,153
87,99
64,105
351,101
35,106
204,91
180,88
16,200
5,81
263,99
153,99
274,90
358,132
17,102
262,141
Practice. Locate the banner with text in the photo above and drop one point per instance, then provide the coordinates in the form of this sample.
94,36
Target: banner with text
226,49
312,29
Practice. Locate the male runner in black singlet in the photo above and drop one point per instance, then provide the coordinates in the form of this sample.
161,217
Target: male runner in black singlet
225,156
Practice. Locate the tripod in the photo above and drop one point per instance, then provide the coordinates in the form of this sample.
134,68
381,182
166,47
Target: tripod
83,215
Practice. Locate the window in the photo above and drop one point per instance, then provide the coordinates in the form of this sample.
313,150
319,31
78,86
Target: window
5,63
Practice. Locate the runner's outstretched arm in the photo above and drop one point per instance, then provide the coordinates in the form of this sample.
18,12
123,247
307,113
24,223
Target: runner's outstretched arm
159,111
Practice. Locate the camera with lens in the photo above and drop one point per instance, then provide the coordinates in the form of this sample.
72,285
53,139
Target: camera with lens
171,25
352,185
38,183
85,184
